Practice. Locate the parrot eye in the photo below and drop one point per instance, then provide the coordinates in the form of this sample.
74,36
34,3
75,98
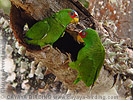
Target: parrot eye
72,14
83,34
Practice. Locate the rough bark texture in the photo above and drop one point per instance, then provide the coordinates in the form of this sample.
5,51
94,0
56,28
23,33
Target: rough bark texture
31,11
116,14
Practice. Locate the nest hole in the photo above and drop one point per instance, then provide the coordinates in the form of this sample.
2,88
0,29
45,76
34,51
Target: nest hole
18,19
67,44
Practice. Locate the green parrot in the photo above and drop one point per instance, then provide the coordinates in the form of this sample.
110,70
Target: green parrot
90,58
50,29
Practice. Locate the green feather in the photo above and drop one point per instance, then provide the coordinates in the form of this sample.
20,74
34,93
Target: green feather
90,58
48,30
38,28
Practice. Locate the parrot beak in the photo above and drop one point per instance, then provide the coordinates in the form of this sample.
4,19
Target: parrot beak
75,20
79,39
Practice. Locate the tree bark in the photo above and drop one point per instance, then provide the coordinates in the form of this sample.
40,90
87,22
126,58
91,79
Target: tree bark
31,11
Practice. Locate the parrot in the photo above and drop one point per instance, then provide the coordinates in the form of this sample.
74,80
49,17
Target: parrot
48,30
90,58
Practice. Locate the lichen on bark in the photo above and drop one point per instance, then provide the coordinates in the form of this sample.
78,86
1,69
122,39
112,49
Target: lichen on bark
31,11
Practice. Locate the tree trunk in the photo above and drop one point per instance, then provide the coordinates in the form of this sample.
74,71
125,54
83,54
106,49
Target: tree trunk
31,11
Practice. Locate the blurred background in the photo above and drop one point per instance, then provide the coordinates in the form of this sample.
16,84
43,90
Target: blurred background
5,5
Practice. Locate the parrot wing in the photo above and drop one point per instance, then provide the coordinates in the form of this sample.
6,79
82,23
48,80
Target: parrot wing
38,30
99,68
87,71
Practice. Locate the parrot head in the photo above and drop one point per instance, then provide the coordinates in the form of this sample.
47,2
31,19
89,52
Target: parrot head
88,36
74,15
67,16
